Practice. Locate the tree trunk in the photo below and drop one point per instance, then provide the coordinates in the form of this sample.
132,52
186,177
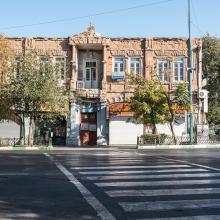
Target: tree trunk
173,132
31,131
154,129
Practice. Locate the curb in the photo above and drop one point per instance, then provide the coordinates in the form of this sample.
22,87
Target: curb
199,146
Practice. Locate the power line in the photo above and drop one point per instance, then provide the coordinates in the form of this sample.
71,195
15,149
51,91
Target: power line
86,16
196,24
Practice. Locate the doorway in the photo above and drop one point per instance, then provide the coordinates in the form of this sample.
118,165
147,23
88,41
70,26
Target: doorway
88,130
91,78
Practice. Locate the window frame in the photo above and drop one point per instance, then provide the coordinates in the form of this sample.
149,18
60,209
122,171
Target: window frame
64,66
118,64
179,60
163,61
135,66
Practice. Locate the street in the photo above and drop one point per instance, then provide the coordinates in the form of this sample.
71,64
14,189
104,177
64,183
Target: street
110,184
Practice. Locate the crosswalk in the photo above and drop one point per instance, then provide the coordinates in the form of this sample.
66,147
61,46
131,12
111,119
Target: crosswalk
162,190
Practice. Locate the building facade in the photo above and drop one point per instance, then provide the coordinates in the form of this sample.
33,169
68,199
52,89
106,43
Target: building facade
96,67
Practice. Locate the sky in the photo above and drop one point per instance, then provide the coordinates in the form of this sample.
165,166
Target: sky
113,18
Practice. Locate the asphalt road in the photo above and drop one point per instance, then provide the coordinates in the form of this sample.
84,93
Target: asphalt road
110,184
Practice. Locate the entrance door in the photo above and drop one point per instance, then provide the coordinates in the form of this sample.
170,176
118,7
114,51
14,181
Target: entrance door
88,133
91,81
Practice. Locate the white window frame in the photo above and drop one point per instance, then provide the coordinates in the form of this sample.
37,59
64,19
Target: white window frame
179,60
64,67
135,66
84,71
118,64
163,61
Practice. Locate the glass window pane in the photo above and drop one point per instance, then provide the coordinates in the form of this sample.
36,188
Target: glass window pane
115,68
121,67
93,74
87,74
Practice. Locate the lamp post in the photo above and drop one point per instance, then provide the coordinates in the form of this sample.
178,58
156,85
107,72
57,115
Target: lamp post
190,74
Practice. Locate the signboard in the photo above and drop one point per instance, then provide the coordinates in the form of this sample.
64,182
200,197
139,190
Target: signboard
118,75
120,108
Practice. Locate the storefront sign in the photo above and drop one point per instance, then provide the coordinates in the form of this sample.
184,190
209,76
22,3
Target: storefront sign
178,108
121,109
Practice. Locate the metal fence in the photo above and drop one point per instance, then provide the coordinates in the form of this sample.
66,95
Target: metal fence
4,142
181,140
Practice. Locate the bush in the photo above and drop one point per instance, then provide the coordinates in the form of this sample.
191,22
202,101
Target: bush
153,138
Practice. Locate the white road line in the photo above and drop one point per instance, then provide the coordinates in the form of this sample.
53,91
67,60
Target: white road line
159,183
89,197
160,176
162,192
192,164
141,171
128,167
170,205
201,217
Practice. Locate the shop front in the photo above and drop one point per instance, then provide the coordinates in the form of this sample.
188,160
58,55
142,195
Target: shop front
122,128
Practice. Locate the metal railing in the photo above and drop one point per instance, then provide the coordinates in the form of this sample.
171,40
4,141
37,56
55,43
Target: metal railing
180,140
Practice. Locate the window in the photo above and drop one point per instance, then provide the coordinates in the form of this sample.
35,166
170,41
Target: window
135,66
17,67
118,64
178,69
44,65
60,67
162,70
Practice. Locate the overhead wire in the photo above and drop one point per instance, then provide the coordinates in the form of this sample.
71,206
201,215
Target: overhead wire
87,16
196,23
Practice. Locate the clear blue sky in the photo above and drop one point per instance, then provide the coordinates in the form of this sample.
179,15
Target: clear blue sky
165,19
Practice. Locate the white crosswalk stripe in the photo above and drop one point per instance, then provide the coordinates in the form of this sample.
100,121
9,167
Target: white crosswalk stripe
159,183
160,176
147,188
198,217
170,205
163,192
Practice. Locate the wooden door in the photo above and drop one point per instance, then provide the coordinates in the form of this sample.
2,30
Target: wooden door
88,131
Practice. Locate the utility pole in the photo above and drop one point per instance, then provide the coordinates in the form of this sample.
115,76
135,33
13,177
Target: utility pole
190,121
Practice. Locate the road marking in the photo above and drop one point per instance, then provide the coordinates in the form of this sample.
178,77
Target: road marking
140,171
89,197
192,164
129,167
170,205
162,192
185,175
201,217
159,183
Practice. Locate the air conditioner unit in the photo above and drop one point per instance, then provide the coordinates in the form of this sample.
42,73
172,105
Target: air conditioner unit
202,94
79,84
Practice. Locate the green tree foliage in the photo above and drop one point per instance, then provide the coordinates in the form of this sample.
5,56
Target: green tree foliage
34,90
6,61
149,103
211,71
153,104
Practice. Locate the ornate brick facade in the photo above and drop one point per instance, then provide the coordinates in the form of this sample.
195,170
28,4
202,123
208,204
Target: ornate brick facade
82,49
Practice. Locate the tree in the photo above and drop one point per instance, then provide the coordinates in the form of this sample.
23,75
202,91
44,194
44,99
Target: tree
153,104
6,65
149,103
35,90
211,71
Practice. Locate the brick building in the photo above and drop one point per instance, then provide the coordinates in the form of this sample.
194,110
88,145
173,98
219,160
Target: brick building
96,66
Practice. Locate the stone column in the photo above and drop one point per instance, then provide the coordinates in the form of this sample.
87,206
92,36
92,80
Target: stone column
74,68
26,128
148,59
73,123
104,80
101,124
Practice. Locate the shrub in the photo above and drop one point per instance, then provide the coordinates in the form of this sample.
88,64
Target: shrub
153,138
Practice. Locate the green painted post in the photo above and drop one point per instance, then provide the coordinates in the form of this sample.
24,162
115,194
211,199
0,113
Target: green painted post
190,73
